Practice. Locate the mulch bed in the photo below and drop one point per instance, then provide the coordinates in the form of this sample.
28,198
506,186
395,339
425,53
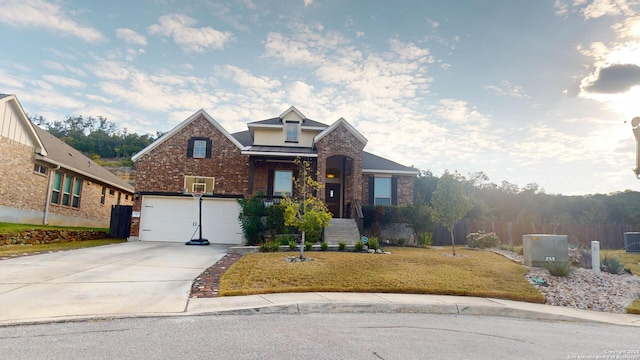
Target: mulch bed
206,285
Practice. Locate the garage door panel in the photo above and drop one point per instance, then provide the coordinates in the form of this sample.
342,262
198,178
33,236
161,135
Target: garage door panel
175,219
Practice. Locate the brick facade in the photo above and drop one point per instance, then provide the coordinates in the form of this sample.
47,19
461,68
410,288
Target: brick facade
404,190
342,142
163,168
24,189
20,186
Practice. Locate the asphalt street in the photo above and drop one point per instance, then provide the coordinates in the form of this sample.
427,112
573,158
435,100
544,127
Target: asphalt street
320,336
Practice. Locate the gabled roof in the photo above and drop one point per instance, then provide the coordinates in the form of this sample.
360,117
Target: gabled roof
375,164
346,124
244,137
65,156
26,122
180,126
292,109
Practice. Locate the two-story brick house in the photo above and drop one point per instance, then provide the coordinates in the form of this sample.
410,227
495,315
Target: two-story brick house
200,155
45,181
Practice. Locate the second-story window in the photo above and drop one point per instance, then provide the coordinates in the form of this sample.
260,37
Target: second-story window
292,131
199,148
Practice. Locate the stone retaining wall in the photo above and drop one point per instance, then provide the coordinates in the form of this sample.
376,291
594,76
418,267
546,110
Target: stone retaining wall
36,237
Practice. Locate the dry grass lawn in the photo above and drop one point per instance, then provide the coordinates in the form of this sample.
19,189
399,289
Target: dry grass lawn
406,270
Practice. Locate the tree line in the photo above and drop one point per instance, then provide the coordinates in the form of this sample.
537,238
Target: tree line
508,202
96,137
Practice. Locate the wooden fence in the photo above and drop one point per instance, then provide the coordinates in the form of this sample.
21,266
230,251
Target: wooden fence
611,236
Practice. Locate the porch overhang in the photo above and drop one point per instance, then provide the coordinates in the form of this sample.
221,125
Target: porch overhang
280,151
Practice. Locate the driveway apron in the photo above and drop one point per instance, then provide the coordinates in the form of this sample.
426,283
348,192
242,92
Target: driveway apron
120,279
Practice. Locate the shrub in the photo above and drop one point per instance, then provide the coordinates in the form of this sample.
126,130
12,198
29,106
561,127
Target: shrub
269,246
557,268
275,219
292,245
483,240
308,245
342,246
324,246
250,212
359,246
426,240
285,240
611,265
373,243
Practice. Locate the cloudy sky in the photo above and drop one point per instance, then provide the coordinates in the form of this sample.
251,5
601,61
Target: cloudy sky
525,91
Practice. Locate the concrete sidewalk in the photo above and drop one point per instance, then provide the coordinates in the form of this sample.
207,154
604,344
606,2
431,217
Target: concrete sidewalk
304,303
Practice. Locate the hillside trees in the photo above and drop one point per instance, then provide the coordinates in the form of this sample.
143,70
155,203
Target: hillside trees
96,136
531,204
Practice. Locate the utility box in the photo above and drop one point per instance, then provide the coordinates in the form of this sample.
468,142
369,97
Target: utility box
632,241
539,249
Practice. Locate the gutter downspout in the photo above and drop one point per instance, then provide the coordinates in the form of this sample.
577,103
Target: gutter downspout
45,219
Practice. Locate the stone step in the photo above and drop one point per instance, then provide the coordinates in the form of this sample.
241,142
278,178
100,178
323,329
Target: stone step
341,230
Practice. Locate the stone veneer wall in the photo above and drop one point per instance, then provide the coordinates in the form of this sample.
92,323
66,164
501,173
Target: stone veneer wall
36,237
164,167
342,142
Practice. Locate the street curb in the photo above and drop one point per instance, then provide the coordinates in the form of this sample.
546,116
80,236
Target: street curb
436,309
340,308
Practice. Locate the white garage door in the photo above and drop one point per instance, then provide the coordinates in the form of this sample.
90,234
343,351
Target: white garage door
175,219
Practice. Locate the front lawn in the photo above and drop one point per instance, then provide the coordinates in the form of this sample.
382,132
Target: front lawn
11,228
406,270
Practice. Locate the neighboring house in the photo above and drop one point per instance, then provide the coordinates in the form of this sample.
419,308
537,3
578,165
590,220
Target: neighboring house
45,181
200,155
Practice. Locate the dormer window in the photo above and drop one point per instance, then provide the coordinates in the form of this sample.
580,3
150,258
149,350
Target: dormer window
199,148
292,131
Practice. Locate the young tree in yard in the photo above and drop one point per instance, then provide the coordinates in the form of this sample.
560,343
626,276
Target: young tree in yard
304,210
449,204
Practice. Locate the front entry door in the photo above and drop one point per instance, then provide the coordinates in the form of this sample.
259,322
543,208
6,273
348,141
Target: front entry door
332,198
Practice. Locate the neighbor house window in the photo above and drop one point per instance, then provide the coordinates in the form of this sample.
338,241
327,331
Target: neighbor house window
66,190
77,187
382,191
103,194
57,186
292,131
199,148
283,183
40,169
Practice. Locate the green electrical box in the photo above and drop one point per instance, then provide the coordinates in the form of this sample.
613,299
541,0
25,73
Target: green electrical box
539,249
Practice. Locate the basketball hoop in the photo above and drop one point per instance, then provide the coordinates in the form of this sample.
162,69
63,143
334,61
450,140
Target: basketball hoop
197,196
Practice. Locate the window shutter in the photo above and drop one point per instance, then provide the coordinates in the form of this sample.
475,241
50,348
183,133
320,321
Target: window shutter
208,151
394,190
372,185
270,182
190,148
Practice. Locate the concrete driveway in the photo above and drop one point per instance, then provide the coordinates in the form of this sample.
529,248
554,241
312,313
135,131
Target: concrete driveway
119,279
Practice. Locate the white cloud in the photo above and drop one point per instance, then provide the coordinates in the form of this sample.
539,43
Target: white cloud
10,81
308,2
562,9
505,88
45,15
63,81
180,28
459,112
99,98
600,8
52,65
131,37
246,80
